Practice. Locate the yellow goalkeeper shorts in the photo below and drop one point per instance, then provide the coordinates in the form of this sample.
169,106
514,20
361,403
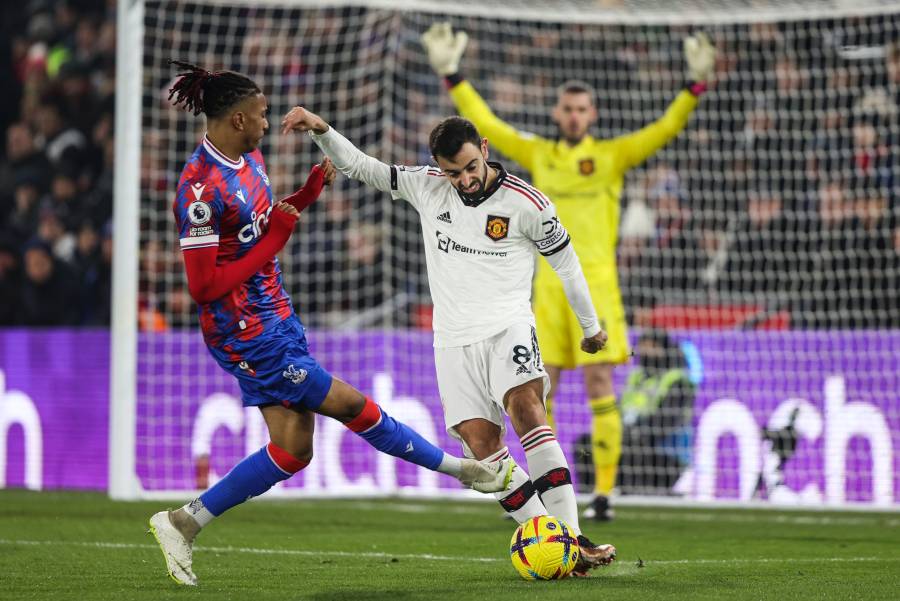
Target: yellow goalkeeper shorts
560,334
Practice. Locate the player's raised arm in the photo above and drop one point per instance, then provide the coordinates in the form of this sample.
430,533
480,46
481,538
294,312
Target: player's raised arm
445,49
347,158
634,148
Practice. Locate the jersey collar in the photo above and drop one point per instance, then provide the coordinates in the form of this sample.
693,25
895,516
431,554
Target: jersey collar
474,202
561,143
220,156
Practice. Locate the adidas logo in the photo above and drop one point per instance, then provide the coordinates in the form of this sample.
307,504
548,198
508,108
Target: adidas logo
445,217
523,370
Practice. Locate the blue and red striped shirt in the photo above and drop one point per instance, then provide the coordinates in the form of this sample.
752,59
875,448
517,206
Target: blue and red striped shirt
226,204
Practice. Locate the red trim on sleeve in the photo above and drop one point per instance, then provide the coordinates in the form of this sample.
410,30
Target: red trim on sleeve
368,417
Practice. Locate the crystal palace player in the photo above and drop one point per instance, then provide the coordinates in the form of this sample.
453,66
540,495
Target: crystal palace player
481,227
230,231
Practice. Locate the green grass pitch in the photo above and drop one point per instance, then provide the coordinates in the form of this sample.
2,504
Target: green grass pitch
83,546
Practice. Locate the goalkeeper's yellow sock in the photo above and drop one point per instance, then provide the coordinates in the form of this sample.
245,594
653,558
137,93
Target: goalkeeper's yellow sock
549,405
606,443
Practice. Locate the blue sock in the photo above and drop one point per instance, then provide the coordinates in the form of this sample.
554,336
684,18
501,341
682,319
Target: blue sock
253,476
395,438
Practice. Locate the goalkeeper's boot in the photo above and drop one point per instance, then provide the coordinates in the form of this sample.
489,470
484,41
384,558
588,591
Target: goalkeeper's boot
487,477
592,556
599,510
176,548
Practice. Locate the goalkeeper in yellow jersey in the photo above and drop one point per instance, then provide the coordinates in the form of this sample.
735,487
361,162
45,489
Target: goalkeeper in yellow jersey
583,176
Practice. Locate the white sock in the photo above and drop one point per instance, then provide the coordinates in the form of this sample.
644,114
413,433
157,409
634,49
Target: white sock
197,510
450,465
520,501
553,481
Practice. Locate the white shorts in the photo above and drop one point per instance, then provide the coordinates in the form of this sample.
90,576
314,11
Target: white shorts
473,380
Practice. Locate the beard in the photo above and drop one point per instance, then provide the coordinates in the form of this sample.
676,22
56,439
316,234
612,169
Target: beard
478,190
572,139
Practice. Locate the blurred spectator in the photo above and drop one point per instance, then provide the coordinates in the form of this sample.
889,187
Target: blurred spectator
48,296
756,264
10,281
666,265
52,230
21,223
365,263
91,269
62,142
832,263
23,162
51,200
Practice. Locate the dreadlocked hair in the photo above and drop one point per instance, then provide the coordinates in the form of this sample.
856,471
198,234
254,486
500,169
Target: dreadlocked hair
210,92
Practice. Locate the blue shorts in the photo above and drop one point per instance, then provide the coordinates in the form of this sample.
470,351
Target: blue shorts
276,367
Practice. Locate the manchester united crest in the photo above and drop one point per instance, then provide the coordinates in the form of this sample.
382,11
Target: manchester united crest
497,227
586,166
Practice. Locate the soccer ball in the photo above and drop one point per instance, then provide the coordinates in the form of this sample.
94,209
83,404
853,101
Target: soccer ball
544,548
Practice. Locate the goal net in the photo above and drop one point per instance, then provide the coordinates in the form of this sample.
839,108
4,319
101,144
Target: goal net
757,254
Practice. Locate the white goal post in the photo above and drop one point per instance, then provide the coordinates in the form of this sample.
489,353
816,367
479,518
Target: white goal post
763,239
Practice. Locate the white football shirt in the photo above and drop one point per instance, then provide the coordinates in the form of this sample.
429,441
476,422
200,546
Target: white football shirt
480,255
480,258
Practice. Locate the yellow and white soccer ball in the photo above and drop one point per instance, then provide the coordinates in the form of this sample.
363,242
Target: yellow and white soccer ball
544,548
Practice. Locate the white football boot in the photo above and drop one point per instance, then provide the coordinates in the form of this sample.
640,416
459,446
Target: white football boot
175,548
487,477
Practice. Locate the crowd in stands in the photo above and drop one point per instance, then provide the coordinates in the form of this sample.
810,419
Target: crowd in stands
781,197
58,59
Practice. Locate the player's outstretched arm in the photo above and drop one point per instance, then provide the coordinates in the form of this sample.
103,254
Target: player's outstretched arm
445,49
635,148
347,158
208,281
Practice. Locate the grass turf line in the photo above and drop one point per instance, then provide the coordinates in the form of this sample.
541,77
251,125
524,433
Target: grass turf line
83,546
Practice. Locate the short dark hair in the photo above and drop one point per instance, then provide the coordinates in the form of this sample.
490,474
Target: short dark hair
449,136
210,92
575,86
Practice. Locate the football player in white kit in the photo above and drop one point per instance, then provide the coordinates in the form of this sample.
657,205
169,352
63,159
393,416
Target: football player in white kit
481,227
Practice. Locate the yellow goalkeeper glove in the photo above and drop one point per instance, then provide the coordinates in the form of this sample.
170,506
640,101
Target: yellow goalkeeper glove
445,48
701,57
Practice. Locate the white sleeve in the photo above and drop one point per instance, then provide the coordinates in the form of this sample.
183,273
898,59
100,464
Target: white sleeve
353,162
566,265
552,240
401,182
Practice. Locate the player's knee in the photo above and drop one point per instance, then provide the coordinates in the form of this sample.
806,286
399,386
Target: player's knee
302,452
343,403
481,437
598,380
362,414
291,456
524,407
